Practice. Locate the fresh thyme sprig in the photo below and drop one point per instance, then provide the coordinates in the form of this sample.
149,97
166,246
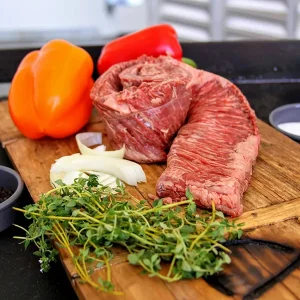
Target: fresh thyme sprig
96,217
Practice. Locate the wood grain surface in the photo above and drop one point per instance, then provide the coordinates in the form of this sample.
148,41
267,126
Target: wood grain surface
271,213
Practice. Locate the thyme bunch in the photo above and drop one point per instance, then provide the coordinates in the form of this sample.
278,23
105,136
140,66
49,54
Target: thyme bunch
96,217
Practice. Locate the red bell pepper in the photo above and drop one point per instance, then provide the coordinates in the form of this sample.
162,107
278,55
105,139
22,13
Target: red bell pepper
153,41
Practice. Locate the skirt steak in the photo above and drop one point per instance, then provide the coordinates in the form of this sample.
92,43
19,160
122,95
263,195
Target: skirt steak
144,102
214,152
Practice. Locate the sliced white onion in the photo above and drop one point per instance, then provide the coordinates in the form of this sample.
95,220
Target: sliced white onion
114,154
105,179
54,177
127,171
66,177
85,140
69,177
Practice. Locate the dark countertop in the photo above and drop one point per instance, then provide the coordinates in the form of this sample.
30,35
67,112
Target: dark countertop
267,81
20,276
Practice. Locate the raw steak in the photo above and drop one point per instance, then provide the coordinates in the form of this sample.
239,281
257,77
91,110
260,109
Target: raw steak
143,104
214,152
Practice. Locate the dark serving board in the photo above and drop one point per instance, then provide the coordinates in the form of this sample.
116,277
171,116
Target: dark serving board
265,263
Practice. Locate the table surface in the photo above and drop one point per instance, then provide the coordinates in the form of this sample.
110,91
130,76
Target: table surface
20,276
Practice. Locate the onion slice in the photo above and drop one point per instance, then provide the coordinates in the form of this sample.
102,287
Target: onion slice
105,179
127,171
69,177
66,177
85,140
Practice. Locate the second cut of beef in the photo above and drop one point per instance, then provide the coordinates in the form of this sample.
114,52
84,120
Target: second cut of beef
214,152
143,104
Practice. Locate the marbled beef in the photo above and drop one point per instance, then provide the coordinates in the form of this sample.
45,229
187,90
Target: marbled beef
214,152
143,103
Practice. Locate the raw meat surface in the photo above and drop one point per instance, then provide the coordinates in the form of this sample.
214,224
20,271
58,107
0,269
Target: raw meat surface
143,103
214,152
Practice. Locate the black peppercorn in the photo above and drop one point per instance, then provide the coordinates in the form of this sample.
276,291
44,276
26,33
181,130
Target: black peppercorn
4,193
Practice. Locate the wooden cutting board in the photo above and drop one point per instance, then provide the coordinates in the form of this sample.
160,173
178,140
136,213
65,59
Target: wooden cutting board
271,213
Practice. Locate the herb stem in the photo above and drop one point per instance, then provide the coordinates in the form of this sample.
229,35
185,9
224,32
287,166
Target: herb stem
168,206
199,237
171,266
108,269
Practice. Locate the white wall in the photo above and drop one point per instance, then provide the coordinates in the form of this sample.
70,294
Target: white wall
61,15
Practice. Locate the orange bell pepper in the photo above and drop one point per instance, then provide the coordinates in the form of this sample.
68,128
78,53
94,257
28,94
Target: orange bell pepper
49,94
